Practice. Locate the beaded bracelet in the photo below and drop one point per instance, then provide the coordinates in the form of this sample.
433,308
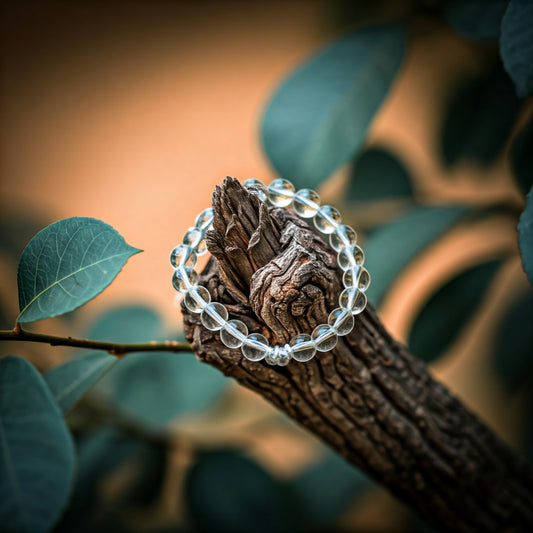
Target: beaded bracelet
234,333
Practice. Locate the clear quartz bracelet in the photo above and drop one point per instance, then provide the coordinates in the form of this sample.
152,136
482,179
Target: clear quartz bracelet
234,333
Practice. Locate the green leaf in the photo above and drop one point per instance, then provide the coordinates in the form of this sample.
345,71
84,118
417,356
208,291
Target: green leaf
377,174
67,264
390,248
513,358
318,118
70,381
522,157
445,314
225,492
479,119
36,451
477,19
525,236
516,45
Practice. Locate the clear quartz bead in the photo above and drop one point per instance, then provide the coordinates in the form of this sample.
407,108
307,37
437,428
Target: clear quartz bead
327,219
284,355
302,347
255,347
342,236
272,356
214,316
281,192
341,320
204,221
324,337
356,277
350,257
353,300
234,333
183,256
306,203
196,298
184,278
195,238
256,187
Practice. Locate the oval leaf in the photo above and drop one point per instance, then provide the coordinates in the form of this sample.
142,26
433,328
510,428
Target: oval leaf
525,236
67,264
319,116
516,44
36,451
522,157
390,248
445,314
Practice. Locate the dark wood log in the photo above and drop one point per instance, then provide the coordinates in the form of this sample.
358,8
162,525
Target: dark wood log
369,398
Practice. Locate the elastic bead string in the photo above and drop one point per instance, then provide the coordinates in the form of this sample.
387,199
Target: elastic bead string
234,333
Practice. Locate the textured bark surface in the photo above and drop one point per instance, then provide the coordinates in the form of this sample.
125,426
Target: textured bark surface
369,398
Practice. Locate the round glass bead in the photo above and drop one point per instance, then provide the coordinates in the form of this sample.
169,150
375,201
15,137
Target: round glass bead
214,316
342,236
196,298
183,255
353,300
234,333
272,356
256,187
324,337
302,347
341,320
350,257
356,277
184,278
204,221
306,203
195,238
255,347
327,219
280,192
284,355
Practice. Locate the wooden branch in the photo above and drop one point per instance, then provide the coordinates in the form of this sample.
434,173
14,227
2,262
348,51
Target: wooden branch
369,398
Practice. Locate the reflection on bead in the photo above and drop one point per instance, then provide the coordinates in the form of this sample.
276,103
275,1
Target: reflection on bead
327,219
341,320
324,337
234,333
306,203
256,187
342,236
184,278
204,221
195,238
214,316
183,255
302,347
196,298
356,277
280,192
255,347
350,257
353,300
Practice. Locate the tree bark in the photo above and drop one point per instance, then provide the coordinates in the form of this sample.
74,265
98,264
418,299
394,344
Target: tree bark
369,398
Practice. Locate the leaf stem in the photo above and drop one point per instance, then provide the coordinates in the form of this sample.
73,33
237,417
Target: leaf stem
117,349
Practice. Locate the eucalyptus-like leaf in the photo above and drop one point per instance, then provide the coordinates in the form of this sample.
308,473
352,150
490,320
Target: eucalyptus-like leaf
36,451
319,116
67,264
525,236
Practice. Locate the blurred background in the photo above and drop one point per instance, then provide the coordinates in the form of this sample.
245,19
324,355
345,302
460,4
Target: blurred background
132,112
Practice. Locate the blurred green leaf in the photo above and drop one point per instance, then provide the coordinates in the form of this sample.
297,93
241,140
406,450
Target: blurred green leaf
36,451
516,45
522,157
226,492
391,247
70,381
67,264
525,236
479,119
476,19
377,174
446,313
319,116
513,358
